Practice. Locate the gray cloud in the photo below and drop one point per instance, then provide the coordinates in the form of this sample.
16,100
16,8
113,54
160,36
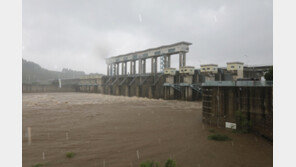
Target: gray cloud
79,34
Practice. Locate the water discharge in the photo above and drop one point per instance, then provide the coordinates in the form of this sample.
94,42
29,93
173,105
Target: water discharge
120,131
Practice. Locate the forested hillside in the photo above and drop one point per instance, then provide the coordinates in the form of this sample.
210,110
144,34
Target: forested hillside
34,73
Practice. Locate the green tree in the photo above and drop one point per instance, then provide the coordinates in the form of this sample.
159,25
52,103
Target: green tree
269,75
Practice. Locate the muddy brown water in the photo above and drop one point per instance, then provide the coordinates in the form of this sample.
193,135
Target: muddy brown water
117,131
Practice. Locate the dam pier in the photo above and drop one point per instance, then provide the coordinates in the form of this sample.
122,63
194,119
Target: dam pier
163,81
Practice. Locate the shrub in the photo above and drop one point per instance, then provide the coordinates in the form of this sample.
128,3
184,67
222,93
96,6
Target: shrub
218,137
70,154
170,163
149,164
269,75
37,165
243,124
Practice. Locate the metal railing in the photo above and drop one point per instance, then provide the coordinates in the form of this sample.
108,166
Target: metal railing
239,83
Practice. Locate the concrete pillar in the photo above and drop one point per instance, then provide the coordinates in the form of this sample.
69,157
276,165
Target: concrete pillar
188,93
117,90
144,66
117,69
150,93
165,61
138,91
125,68
140,67
180,59
184,59
114,69
127,90
134,67
152,65
131,67
122,68
188,90
155,65
169,61
169,91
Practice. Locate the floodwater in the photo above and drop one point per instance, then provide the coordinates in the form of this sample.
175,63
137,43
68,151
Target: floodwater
117,131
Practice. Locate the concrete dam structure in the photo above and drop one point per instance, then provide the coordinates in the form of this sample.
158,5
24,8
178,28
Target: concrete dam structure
127,76
166,82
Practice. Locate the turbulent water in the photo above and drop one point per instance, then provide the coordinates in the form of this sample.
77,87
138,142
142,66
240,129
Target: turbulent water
117,131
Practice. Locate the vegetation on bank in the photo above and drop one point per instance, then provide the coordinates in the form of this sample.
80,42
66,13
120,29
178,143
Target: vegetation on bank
168,163
218,137
38,165
242,122
70,154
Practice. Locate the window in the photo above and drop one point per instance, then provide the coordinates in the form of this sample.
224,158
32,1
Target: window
232,66
171,50
204,68
157,53
239,66
208,68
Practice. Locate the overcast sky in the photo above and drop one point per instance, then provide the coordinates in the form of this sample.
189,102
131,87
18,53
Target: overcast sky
79,34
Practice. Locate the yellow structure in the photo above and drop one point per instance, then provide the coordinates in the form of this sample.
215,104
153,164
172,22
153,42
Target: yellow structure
187,70
170,71
212,68
237,68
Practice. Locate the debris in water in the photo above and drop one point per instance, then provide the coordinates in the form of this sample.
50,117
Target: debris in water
138,156
29,136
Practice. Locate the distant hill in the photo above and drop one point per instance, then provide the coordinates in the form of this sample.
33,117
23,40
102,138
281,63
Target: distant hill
34,73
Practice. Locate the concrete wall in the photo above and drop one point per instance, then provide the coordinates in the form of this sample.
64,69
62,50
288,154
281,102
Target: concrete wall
220,105
140,86
27,88
152,86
